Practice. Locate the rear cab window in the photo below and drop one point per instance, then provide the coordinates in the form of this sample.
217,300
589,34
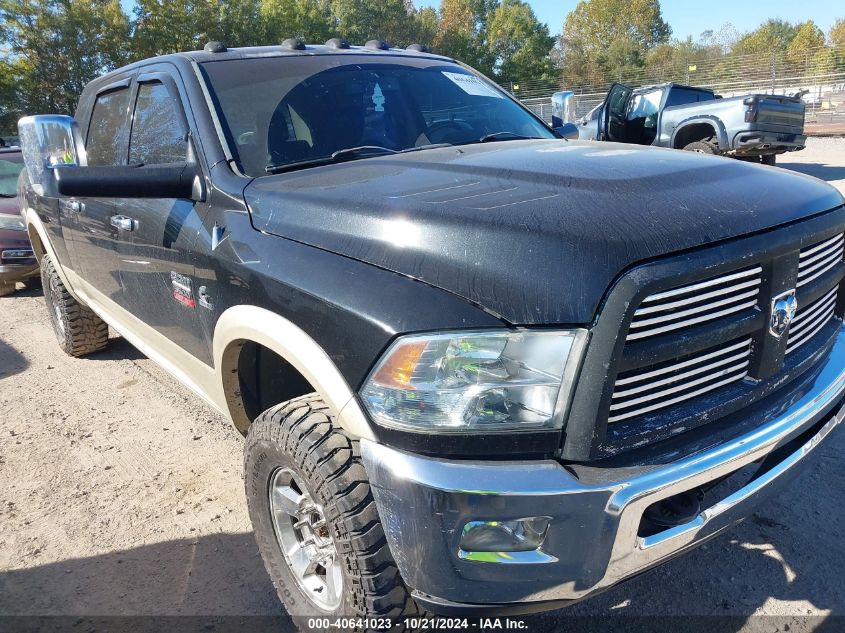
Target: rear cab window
682,96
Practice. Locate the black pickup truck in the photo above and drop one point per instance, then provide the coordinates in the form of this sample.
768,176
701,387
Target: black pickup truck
479,367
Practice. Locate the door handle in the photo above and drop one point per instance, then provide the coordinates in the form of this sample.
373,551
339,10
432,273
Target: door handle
123,223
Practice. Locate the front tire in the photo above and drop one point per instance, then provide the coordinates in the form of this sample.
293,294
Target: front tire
307,491
78,330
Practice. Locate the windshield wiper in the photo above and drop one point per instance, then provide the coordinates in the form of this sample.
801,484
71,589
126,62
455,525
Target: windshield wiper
505,136
362,151
349,153
7,195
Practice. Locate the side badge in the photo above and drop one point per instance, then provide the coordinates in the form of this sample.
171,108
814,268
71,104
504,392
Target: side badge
183,290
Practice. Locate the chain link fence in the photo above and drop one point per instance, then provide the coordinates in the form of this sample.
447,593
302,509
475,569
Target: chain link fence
818,74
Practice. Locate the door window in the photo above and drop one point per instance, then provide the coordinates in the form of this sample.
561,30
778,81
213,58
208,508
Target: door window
159,134
646,106
105,144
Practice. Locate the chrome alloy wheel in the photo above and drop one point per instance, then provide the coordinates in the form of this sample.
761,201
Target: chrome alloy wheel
304,538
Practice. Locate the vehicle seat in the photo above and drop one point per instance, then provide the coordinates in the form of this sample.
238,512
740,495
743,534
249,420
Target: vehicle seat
280,147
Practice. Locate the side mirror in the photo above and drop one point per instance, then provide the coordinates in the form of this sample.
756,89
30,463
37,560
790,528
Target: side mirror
568,131
49,142
181,180
560,108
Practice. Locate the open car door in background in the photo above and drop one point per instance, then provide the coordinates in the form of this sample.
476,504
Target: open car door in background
612,121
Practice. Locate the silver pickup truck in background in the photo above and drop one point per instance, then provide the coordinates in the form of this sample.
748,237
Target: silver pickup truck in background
754,127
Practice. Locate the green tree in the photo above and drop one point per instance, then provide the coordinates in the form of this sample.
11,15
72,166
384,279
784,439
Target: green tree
611,37
311,20
836,35
462,32
807,43
170,26
362,20
519,43
55,47
773,36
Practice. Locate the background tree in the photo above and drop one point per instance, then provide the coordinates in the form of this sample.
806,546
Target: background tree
807,43
836,35
518,42
615,34
56,46
311,20
771,37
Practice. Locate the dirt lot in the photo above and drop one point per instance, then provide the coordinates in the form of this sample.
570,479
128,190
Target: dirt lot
122,495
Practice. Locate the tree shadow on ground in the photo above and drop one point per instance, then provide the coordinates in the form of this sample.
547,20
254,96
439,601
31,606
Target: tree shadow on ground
823,172
11,360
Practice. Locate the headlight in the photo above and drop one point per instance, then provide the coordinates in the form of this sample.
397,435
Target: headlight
475,381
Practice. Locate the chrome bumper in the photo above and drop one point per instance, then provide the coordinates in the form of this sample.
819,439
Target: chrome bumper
592,542
18,272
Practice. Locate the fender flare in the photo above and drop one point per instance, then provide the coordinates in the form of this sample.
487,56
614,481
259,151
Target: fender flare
714,122
36,226
248,323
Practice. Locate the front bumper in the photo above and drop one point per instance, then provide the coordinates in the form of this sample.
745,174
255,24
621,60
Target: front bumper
10,273
593,540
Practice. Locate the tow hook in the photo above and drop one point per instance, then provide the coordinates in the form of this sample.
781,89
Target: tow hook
671,512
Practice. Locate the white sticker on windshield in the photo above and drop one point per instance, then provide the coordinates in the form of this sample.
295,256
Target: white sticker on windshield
472,85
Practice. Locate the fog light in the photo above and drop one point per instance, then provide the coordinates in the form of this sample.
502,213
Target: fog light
520,535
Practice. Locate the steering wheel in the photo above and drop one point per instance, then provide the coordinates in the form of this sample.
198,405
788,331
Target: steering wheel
441,127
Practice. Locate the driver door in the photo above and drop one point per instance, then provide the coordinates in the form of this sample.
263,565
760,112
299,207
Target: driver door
615,108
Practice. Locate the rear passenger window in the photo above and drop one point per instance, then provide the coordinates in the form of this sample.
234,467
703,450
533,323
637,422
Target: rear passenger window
106,141
158,131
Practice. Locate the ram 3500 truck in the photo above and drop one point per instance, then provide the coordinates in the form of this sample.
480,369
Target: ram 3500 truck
480,368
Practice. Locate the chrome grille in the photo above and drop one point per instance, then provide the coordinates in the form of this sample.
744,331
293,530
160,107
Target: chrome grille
696,303
651,388
816,260
810,319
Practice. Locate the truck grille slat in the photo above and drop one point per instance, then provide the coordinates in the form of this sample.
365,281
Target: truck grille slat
703,284
809,320
817,260
696,303
694,299
686,378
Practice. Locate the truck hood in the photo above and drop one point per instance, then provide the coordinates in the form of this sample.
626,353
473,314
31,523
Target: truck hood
532,231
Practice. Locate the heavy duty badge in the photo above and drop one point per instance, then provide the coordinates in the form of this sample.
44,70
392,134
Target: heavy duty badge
183,289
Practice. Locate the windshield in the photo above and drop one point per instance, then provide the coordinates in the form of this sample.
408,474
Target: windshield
10,169
284,110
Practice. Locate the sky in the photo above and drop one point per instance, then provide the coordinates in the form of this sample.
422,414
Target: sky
691,18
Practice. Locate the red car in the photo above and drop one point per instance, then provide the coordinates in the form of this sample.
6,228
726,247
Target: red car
17,261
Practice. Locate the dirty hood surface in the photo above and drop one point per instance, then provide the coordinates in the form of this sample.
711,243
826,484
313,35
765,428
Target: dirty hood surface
533,231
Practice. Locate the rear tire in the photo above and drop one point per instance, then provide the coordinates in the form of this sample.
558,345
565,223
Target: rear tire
769,159
6,288
320,468
78,330
702,147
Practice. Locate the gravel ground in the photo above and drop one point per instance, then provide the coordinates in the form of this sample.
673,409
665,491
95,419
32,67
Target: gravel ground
122,495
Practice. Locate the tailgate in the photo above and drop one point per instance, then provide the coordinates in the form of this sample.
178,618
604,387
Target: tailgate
778,110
